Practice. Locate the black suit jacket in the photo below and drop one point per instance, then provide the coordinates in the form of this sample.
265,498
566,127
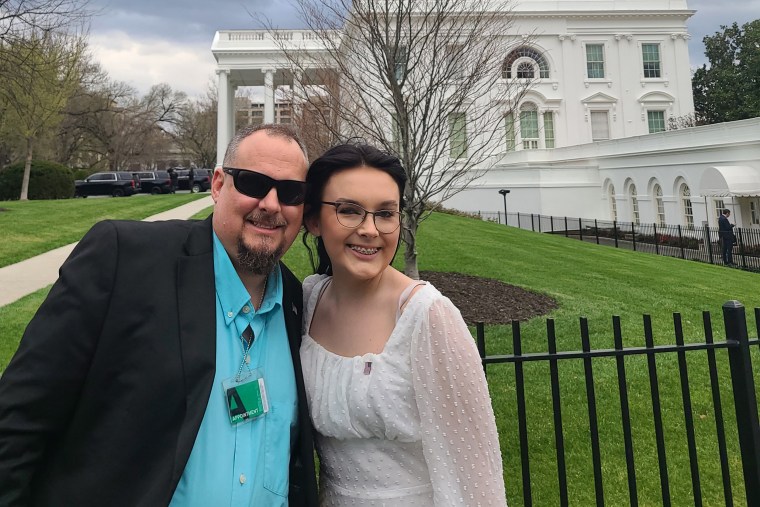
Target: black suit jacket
103,400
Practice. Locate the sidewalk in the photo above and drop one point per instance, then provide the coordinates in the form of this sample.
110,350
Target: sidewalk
25,277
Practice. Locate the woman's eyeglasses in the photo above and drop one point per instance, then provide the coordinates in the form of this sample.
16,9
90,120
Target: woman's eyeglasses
352,216
257,185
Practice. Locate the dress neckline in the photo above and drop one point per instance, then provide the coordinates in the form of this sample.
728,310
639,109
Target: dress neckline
404,298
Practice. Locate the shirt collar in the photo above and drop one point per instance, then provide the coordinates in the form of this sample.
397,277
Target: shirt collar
232,294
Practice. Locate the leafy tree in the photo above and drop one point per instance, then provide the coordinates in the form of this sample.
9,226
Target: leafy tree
421,79
729,89
41,71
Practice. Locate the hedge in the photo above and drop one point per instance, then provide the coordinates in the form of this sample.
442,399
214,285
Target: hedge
47,180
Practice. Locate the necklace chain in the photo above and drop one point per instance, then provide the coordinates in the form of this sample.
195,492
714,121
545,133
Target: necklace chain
246,342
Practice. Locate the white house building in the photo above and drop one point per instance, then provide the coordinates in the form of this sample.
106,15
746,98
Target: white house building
589,138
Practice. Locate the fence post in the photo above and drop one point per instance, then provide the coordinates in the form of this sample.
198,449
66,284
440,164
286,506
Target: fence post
708,244
633,235
518,221
614,231
596,230
551,221
745,399
680,242
656,241
539,222
580,228
532,225
741,248
566,227
480,340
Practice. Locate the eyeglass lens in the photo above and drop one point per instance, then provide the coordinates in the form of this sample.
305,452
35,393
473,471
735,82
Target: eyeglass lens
352,215
257,185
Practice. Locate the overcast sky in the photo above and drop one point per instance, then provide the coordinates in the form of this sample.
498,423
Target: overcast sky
145,42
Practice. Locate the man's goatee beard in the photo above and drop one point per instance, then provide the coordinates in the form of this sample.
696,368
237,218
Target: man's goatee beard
257,262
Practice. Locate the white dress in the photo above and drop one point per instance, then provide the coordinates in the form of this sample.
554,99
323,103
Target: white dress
415,428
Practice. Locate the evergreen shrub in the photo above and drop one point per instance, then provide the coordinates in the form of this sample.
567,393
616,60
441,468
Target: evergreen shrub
47,180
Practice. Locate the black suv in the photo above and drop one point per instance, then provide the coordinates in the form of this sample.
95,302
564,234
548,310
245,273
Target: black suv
201,181
117,184
154,182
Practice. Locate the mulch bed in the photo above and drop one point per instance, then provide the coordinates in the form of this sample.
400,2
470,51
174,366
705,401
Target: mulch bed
487,300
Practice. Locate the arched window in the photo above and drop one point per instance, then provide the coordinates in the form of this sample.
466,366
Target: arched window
688,212
659,205
613,203
526,68
634,204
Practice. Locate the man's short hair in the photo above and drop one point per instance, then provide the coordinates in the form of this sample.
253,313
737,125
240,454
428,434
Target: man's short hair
726,211
273,129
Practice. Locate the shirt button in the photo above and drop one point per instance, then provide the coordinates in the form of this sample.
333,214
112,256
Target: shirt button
246,309
242,478
230,314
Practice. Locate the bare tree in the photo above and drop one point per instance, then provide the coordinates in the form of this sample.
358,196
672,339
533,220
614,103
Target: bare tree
419,78
18,17
195,129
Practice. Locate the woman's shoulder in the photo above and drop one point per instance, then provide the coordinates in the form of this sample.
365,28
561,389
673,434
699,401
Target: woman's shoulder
310,282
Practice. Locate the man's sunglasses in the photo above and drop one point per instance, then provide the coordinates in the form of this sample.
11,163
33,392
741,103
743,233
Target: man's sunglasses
257,185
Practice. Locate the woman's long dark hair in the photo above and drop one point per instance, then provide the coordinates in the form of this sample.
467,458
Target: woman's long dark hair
337,159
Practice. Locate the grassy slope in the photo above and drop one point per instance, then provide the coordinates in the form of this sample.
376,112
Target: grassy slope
596,282
33,227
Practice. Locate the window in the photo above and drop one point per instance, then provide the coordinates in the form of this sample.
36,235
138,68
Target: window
651,56
754,211
613,203
719,207
529,126
454,62
509,125
528,53
457,135
549,129
688,212
634,204
399,63
659,205
595,61
656,120
600,125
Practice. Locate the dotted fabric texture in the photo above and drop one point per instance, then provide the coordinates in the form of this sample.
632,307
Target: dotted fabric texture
419,428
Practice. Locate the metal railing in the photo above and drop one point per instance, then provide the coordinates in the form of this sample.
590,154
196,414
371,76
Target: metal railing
700,243
737,343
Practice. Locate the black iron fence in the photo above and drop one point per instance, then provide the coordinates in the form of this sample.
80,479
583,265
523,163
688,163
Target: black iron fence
737,344
700,243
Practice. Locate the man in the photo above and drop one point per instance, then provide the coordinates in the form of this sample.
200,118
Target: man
173,179
726,235
163,367
190,179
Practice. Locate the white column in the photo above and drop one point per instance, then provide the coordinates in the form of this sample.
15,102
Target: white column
297,96
541,132
223,131
231,110
268,95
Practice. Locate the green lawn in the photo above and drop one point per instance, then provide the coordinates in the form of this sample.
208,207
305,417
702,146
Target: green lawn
32,227
596,282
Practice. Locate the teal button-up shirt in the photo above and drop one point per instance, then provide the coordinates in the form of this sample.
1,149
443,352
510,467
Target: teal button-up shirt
246,464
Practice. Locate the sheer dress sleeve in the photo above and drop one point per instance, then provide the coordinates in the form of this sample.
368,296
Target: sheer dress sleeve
459,436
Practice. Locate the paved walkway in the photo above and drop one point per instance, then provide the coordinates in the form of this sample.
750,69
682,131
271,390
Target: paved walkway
30,275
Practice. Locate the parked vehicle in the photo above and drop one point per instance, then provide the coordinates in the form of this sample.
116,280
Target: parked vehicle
117,184
154,182
201,181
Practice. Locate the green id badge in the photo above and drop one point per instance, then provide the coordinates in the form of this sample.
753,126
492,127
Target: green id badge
246,400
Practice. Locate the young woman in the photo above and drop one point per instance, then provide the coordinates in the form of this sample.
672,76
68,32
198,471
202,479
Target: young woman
394,382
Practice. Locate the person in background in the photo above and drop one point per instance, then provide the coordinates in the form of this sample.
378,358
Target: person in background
726,235
394,382
163,367
173,178
190,179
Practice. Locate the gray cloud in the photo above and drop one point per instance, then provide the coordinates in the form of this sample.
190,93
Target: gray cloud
711,14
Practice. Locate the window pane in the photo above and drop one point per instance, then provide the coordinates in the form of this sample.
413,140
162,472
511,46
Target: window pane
529,124
549,129
509,124
457,135
400,63
651,57
600,125
660,203
595,61
656,121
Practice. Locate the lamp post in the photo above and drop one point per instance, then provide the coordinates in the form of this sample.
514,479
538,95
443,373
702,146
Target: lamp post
504,193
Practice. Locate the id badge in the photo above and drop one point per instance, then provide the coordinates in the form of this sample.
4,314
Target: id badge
246,398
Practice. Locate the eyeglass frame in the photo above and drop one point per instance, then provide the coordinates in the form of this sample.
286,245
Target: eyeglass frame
272,182
335,204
